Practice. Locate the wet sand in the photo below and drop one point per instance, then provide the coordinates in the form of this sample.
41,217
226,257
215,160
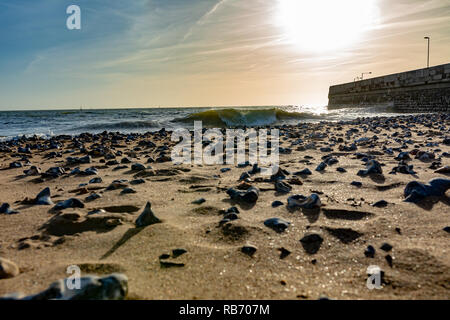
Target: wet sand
43,242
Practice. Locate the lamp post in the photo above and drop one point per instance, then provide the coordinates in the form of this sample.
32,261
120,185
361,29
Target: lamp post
362,74
428,55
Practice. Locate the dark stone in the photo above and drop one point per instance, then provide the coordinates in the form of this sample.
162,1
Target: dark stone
356,184
284,253
277,224
277,203
178,252
381,204
311,242
369,252
249,250
386,247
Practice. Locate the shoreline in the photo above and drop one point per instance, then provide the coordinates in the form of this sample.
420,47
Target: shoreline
42,242
170,130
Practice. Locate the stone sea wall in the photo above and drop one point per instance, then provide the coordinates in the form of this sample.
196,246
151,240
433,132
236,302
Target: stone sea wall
422,90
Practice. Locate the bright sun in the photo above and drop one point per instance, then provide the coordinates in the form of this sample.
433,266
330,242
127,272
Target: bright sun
326,25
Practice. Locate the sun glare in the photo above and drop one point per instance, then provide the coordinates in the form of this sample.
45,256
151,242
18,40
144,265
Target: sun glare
325,25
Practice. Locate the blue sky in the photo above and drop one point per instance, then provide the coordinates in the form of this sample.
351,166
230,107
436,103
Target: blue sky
143,53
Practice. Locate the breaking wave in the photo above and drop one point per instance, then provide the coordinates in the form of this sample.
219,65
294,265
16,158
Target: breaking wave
237,117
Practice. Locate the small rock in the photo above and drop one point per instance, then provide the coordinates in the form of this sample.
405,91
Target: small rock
128,191
111,287
284,253
311,242
93,197
298,200
8,269
386,247
137,181
304,172
249,196
199,201
369,252
249,250
137,167
147,217
96,180
380,204
356,184
282,187
178,252
277,224
277,203
321,167
6,209
69,203
43,198
372,167
389,260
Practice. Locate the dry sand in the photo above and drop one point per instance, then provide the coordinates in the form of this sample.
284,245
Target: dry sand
43,243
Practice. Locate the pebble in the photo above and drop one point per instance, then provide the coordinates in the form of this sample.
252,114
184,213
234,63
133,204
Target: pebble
43,198
231,216
380,204
199,201
277,203
311,242
125,160
372,167
284,253
69,203
178,252
304,172
230,210
277,224
249,250
300,201
250,196
147,217
415,191
386,247
5,208
8,269
137,167
321,167
282,187
14,165
110,287
90,172
96,180
54,172
128,191
356,184
369,252
389,260
33,171
137,181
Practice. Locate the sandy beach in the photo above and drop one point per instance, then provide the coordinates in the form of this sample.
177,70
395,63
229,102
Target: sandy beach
351,230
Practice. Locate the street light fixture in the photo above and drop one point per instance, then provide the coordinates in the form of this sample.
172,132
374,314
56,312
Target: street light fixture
362,74
428,55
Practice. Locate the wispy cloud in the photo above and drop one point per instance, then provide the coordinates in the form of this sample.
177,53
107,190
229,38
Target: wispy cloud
173,51
203,18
